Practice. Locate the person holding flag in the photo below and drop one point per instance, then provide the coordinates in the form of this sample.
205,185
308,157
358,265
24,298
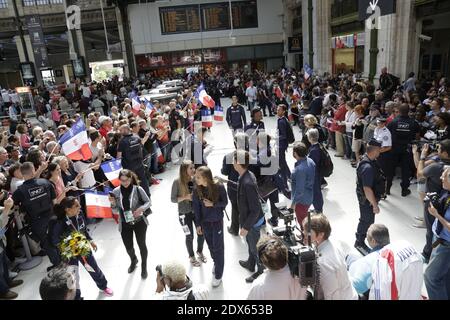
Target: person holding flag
133,206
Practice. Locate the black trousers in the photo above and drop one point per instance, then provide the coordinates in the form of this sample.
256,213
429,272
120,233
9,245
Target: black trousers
188,220
234,217
429,220
39,233
140,172
366,219
140,231
402,158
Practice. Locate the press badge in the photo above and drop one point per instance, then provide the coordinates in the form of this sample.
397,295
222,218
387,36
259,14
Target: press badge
184,225
128,216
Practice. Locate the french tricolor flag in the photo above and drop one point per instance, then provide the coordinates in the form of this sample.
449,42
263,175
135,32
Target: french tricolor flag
308,71
203,97
218,113
159,154
111,170
75,142
207,119
98,205
135,105
148,106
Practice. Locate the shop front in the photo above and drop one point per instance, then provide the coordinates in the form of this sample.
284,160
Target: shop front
348,53
262,57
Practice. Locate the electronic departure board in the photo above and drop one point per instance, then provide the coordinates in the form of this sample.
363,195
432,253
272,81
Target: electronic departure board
214,16
245,14
180,19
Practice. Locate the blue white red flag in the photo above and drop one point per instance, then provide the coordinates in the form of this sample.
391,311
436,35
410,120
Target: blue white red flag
75,143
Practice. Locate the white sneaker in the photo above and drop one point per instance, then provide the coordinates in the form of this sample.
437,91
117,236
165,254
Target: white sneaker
216,282
13,274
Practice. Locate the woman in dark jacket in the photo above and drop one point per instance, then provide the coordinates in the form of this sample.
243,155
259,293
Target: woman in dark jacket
133,206
70,220
209,201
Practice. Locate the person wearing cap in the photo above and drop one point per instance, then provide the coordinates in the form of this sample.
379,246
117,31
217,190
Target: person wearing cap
369,190
383,135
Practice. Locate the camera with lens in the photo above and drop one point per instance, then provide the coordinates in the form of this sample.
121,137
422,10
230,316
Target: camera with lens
302,260
433,198
432,145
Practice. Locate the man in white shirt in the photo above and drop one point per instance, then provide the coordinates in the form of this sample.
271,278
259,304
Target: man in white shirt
334,278
276,283
86,91
250,93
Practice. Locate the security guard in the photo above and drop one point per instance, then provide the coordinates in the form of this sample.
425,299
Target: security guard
404,130
383,135
36,198
370,187
236,118
130,150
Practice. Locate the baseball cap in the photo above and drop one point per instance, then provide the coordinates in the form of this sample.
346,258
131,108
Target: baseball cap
374,143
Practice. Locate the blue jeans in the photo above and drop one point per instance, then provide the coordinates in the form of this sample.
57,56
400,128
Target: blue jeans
252,239
437,274
213,232
251,105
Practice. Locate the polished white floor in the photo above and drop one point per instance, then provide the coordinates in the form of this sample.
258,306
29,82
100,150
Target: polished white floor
165,238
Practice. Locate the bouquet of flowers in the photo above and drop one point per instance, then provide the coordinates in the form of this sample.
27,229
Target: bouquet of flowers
75,245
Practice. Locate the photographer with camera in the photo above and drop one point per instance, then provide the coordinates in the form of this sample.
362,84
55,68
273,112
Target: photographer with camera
276,283
437,274
432,173
251,216
334,278
172,283
370,188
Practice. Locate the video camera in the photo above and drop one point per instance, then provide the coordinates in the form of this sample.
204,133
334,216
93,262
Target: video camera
302,260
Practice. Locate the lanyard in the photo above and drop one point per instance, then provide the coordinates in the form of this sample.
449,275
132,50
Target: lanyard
71,223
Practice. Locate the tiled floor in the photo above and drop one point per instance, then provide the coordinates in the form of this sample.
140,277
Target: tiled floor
165,237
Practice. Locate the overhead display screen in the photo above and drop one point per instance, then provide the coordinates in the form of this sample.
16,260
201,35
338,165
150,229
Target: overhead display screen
179,19
214,16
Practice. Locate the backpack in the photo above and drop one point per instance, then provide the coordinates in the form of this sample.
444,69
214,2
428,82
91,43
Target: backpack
289,133
326,164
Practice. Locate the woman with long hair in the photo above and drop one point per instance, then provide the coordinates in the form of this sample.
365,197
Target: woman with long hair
70,220
182,189
133,205
54,176
209,201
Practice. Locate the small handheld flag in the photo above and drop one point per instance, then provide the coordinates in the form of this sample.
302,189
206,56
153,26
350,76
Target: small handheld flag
75,143
111,169
98,205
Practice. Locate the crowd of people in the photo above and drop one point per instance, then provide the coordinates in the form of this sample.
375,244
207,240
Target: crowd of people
376,129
